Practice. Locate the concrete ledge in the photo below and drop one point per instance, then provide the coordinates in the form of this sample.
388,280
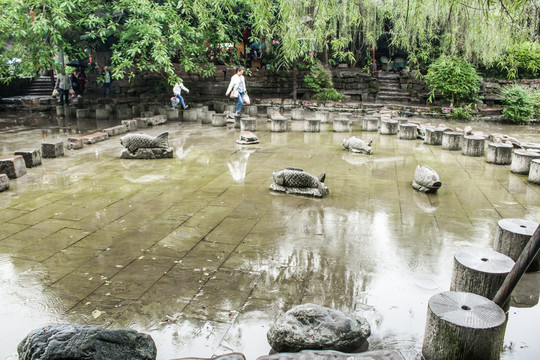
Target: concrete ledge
115,130
4,182
95,137
52,150
32,157
14,167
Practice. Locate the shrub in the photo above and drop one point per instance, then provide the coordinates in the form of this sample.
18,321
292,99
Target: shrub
462,113
454,78
329,95
521,60
319,80
517,104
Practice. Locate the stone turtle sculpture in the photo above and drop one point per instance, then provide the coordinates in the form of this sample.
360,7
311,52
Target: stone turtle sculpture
247,138
133,142
358,145
426,179
296,181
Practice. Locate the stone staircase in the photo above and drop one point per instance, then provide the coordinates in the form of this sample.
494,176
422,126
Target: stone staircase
41,86
390,91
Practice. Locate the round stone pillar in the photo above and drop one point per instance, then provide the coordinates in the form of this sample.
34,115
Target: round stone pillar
341,124
297,114
388,127
208,118
534,172
312,125
251,110
248,124
370,123
499,153
102,113
407,131
190,115
218,120
521,161
451,140
324,116
511,237
278,124
59,110
433,136
83,113
272,111
473,145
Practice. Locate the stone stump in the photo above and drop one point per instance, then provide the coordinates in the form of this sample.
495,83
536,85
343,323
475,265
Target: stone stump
499,153
451,140
521,161
370,123
407,131
237,124
123,112
219,107
480,271
112,108
190,115
341,124
511,237
147,114
102,113
70,112
312,125
66,341
278,124
219,120
173,114
330,355
248,124
75,143
272,111
297,114
230,108
95,137
52,149
208,118
14,167
388,127
60,110
462,325
251,110
314,327
4,182
472,145
534,172
83,114
115,130
433,136
32,157
401,120
137,109
324,116
346,115
131,125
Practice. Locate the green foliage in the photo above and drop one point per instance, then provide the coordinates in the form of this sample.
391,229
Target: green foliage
535,97
462,113
329,95
454,78
319,80
521,60
517,104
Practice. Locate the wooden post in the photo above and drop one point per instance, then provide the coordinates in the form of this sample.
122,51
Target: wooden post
522,263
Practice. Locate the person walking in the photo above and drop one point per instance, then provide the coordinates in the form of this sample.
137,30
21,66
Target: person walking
177,90
75,83
63,84
107,84
237,84
81,81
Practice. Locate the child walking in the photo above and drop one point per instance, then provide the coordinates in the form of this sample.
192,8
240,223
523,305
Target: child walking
177,90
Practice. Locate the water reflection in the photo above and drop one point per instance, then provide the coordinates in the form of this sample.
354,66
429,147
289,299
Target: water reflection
238,166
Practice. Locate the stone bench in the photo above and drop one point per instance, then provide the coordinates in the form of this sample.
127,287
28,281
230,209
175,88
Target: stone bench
341,124
32,157
388,127
407,131
75,143
95,137
248,124
451,140
521,161
4,182
472,145
14,167
499,153
115,130
52,149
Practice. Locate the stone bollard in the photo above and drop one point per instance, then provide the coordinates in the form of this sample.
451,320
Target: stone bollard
312,125
200,112
83,113
499,153
230,108
534,172
102,113
370,123
433,136
52,149
248,124
147,114
324,116
32,157
451,140
172,114
462,325
346,115
111,107
190,115
123,112
70,112
480,271
473,145
75,143
297,114
4,182
237,122
14,167
219,120
137,109
272,111
115,130
251,110
401,120
341,124
407,131
388,127
59,110
208,118
219,106
521,161
511,237
131,125
278,124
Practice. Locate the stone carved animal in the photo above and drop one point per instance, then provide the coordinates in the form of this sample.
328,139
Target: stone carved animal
298,178
247,137
133,142
358,145
426,179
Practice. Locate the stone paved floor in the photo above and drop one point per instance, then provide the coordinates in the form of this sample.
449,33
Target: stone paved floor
198,253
